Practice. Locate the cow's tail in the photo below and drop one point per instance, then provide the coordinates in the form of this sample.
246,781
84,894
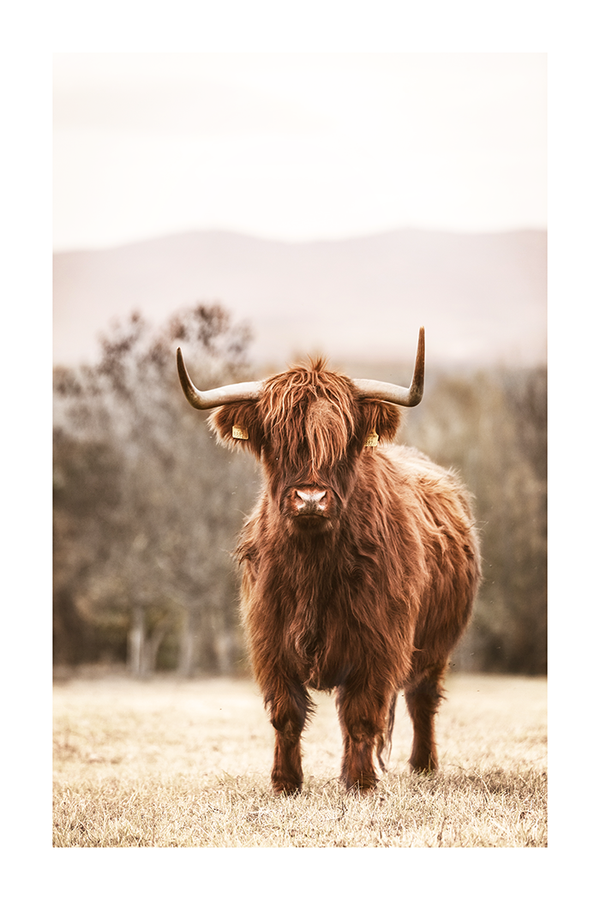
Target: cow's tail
384,747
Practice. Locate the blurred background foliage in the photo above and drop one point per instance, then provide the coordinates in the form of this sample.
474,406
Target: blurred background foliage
147,506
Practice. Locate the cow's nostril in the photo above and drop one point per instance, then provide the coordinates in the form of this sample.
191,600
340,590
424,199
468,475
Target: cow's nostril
311,496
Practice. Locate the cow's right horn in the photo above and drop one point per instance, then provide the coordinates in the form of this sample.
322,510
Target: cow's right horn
228,393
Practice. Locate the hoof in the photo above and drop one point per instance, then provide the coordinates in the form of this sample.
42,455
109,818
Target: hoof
428,768
286,789
362,785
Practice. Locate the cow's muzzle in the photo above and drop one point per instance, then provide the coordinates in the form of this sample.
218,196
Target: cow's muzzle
310,506
309,502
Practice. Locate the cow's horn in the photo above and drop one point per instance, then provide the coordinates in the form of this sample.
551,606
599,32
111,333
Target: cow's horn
229,393
393,393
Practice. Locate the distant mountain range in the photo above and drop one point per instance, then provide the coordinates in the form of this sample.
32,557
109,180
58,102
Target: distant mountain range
481,297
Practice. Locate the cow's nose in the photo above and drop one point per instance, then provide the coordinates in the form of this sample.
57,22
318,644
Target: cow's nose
307,501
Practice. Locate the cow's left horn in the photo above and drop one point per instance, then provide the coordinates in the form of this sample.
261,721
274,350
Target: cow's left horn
393,393
229,393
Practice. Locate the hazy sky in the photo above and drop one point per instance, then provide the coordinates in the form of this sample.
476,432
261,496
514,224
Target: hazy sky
296,146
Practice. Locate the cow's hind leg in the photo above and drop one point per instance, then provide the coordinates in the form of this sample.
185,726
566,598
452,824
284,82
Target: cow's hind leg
290,708
363,720
423,695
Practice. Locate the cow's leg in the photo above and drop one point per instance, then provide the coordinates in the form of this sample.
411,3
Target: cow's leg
423,695
289,708
364,722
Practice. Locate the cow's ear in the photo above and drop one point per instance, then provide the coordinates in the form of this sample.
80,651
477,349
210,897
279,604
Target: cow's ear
238,426
380,421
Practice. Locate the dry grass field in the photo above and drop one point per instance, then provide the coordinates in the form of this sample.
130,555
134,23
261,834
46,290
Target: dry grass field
169,763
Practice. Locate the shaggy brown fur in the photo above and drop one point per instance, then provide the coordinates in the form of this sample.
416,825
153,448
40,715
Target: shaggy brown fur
360,567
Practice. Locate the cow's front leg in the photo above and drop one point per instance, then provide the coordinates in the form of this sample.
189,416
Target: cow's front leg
363,719
289,707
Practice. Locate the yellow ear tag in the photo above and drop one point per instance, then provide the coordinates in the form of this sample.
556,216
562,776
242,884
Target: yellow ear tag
372,439
239,432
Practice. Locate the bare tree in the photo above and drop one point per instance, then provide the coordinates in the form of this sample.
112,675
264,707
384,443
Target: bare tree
492,427
166,543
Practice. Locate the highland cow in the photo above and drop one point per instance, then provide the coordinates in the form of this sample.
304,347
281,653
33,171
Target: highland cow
360,562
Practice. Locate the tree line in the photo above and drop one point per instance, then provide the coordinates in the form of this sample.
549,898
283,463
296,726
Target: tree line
147,507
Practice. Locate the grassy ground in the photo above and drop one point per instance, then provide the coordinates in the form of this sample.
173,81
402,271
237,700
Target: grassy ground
166,763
